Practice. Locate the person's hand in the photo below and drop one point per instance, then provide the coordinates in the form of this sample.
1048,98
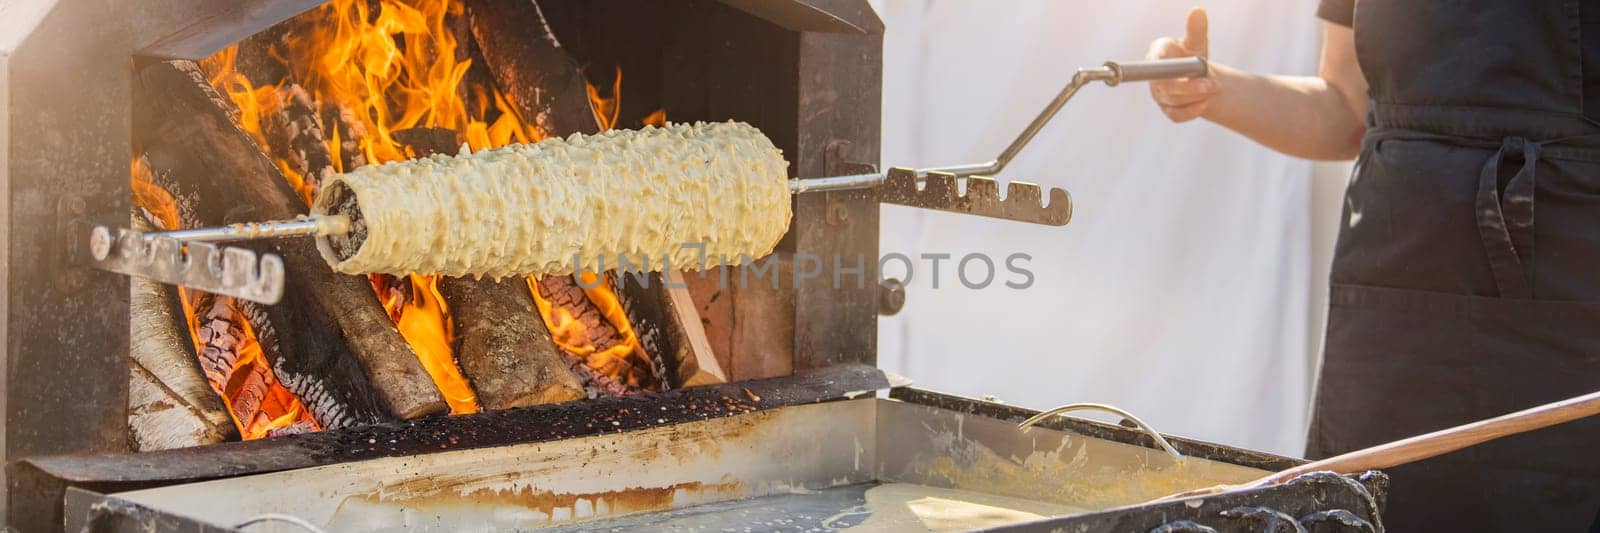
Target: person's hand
1184,100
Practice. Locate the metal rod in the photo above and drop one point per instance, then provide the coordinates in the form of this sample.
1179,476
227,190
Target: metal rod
1083,77
1111,73
314,226
862,181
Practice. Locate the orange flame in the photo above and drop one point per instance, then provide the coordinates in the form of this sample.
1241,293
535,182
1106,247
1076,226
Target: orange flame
658,118
606,110
425,323
152,198
619,361
391,68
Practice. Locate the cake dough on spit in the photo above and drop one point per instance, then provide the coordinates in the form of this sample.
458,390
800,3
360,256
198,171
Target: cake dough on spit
529,209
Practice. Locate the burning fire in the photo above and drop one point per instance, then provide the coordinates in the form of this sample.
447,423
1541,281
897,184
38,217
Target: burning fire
425,323
235,367
607,109
624,361
374,68
390,66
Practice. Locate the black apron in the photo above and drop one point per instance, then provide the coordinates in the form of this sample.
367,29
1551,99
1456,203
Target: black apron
1466,280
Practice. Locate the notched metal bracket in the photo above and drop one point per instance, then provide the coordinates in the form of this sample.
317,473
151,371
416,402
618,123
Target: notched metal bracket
228,271
1024,202
71,272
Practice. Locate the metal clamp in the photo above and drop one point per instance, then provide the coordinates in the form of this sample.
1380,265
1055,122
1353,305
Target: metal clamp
227,271
1160,440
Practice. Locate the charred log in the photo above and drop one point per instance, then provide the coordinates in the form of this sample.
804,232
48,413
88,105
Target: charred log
528,64
503,346
350,130
343,338
424,142
297,136
592,355
228,356
563,292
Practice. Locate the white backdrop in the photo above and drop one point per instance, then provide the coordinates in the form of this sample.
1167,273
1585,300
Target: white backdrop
1184,288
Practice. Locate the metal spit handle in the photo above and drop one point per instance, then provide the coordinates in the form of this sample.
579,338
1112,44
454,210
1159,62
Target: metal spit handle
1112,73
1160,440
1158,69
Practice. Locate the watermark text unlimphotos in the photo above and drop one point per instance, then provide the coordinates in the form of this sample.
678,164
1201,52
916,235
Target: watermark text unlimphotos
975,270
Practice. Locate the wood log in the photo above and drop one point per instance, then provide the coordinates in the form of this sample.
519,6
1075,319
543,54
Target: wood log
424,141
668,327
695,363
528,64
170,404
503,346
220,322
160,418
223,340
342,338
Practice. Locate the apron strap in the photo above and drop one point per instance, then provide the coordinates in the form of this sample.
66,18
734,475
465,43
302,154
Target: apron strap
1504,215
1505,220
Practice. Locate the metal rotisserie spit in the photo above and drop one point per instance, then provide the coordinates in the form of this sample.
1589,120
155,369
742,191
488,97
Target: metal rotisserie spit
263,382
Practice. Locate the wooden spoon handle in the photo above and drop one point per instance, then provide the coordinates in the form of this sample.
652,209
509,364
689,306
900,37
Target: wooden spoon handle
1428,445
1447,440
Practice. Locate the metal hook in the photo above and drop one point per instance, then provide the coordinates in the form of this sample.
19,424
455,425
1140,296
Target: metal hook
1160,440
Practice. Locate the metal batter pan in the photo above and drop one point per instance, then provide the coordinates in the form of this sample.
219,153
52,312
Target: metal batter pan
827,466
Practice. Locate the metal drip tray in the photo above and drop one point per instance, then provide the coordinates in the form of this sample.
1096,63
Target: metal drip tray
873,464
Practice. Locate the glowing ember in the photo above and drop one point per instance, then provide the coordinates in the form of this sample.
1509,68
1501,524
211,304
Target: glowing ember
229,352
622,358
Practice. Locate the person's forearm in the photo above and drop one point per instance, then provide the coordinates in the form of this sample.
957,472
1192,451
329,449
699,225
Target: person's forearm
1302,116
